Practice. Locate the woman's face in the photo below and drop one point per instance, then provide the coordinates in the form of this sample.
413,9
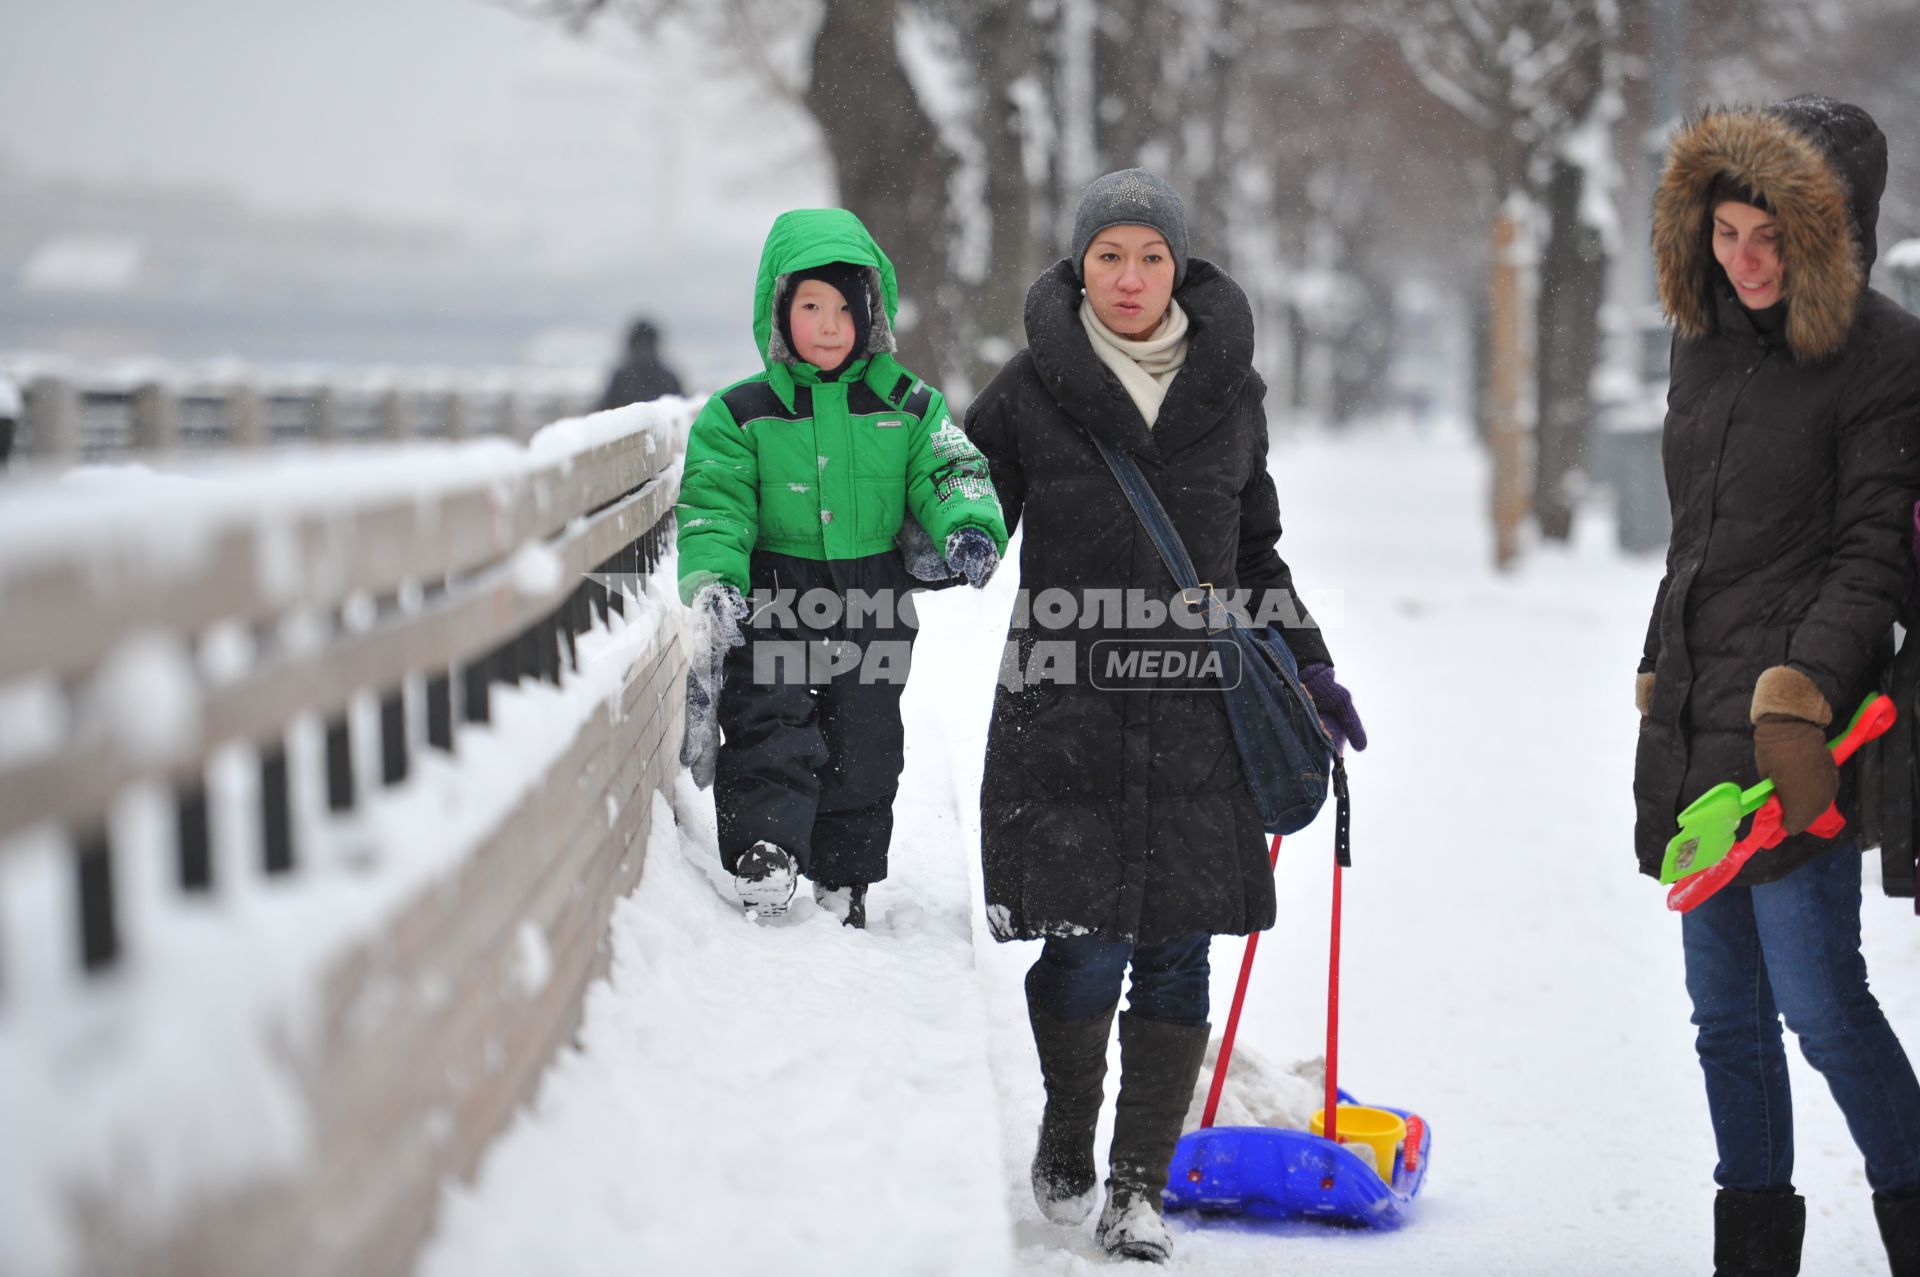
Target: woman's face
822,324
1129,276
1746,243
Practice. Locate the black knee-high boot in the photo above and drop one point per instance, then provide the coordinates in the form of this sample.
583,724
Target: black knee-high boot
1159,1064
1073,1066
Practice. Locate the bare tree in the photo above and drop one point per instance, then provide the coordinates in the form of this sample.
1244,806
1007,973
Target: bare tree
972,208
1529,74
892,165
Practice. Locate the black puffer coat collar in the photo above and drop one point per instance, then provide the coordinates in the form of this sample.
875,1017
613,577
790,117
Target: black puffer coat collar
1219,361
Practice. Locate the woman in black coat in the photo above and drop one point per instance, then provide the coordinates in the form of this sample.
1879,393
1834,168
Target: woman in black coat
1792,449
1115,820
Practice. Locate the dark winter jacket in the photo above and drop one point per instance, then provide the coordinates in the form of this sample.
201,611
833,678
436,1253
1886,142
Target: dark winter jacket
641,377
1792,458
1123,813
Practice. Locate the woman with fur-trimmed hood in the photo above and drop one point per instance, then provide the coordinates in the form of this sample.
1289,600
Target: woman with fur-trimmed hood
1792,452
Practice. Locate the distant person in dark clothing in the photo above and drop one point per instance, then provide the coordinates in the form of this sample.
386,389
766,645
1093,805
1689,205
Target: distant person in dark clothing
9,418
641,376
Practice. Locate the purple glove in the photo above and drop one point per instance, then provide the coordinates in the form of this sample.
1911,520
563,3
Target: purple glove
1335,706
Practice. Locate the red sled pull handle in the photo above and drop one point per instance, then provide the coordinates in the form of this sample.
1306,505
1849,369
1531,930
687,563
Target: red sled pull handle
1690,892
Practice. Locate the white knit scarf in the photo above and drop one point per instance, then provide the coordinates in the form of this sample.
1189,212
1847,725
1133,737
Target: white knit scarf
1145,367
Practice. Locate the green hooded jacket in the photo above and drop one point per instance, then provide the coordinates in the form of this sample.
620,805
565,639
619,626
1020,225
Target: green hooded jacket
792,464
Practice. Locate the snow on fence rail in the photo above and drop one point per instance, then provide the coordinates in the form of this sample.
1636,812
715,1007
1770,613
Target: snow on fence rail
319,774
67,418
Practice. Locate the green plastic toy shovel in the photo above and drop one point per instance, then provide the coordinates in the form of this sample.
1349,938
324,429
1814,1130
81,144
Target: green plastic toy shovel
1710,823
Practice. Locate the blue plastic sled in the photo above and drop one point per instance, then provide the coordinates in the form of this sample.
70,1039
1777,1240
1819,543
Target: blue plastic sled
1274,1173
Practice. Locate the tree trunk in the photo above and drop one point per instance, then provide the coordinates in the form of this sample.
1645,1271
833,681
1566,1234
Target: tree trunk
1573,270
893,169
1126,75
1019,214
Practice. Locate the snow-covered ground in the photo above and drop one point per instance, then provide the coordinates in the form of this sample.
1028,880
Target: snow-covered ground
799,1098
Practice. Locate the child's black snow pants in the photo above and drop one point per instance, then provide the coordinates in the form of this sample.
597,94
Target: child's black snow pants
810,711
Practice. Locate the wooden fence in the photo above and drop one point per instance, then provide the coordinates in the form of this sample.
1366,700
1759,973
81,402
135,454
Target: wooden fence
427,605
67,419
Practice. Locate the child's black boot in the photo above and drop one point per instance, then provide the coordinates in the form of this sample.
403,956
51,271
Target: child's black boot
764,875
849,904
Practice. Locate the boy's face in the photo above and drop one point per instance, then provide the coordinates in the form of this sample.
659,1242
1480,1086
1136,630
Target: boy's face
822,324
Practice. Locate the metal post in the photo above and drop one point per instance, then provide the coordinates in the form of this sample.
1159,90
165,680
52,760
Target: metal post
276,810
94,890
440,711
50,426
339,763
246,417
323,415
196,845
156,419
394,423
459,423
393,737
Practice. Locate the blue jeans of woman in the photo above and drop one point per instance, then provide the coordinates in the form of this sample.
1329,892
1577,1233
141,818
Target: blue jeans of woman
1079,976
1792,948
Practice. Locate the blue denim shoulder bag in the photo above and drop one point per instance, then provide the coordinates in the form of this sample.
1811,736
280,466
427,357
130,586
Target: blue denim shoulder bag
1286,754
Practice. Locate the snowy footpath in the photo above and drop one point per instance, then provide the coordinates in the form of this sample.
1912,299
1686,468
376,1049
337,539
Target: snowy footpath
800,1098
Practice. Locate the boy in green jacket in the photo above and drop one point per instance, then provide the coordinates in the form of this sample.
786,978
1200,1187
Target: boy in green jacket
808,488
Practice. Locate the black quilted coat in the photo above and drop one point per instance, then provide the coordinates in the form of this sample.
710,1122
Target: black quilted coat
1122,813
1792,459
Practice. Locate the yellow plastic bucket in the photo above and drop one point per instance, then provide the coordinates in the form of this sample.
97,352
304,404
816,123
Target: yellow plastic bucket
1376,1131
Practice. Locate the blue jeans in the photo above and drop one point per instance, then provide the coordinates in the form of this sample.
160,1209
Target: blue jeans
1792,948
1079,976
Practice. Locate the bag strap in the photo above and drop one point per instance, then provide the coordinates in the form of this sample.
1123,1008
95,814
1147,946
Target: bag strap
1173,551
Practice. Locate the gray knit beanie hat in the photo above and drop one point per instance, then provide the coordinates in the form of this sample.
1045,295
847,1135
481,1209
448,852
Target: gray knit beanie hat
1131,197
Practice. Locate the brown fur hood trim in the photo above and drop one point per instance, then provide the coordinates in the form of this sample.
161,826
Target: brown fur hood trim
1802,163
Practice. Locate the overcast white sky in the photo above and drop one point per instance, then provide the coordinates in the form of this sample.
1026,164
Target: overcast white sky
451,111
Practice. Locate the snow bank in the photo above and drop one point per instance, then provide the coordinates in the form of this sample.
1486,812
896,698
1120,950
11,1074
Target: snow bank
794,1098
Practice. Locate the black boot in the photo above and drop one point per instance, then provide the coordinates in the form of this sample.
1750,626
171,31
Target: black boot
1073,1065
1758,1234
764,876
1900,1229
849,904
1159,1063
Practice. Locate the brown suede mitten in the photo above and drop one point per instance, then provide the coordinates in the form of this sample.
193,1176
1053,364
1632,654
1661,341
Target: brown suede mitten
1793,753
1643,692
1790,744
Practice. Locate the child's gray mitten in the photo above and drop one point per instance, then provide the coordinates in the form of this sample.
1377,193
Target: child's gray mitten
970,552
718,610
